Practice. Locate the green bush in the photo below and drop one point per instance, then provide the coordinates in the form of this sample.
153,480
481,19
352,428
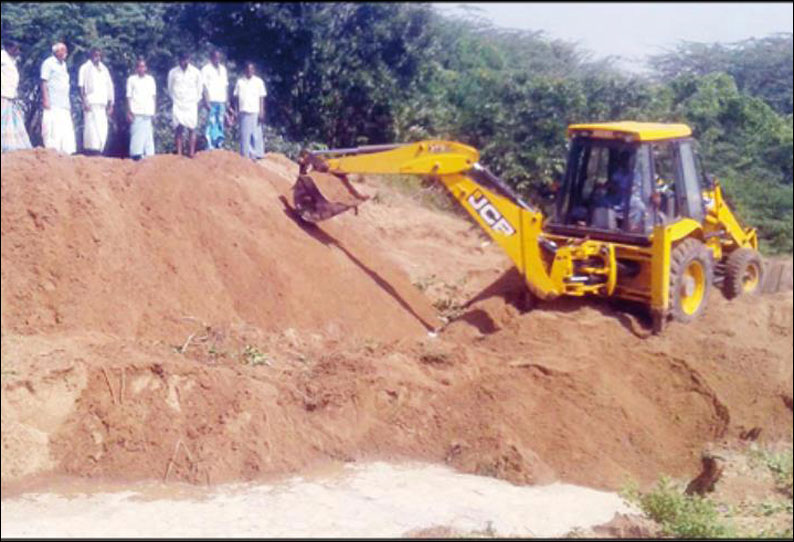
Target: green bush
680,515
346,74
780,464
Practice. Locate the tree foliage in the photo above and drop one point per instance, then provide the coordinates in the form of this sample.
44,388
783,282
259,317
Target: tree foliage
760,67
123,31
342,74
337,73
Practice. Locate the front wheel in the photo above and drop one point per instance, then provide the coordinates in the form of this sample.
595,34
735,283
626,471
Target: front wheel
743,273
691,276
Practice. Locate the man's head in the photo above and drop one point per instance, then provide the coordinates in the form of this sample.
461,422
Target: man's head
620,183
184,59
60,51
215,57
624,160
140,66
12,48
250,69
96,56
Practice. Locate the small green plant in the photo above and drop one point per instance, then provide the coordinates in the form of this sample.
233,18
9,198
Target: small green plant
772,507
214,352
781,467
253,356
772,533
680,515
778,463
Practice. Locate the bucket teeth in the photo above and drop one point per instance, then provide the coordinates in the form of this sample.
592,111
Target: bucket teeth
310,203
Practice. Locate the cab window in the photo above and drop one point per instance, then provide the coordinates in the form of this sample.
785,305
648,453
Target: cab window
664,177
691,180
602,175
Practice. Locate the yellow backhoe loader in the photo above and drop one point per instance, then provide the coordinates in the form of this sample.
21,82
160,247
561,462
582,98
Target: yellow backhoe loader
636,217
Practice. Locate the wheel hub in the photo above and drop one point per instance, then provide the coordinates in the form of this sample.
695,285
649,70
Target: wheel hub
750,278
692,287
688,286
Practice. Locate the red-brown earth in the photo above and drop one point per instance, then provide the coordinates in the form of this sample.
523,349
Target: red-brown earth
169,318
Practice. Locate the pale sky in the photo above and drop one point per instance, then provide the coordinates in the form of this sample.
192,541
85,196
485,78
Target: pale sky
633,30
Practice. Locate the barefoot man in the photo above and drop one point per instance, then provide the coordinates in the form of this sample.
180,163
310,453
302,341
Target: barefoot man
96,89
185,87
57,129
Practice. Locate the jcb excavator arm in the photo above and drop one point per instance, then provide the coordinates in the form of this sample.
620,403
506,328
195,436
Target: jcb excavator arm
665,267
721,222
513,224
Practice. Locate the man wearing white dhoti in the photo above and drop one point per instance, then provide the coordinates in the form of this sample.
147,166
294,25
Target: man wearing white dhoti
15,135
57,129
141,110
185,86
96,89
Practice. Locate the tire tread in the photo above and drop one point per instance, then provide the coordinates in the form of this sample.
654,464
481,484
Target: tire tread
681,255
734,269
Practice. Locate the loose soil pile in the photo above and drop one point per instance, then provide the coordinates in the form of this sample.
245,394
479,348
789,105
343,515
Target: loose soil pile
130,248
170,319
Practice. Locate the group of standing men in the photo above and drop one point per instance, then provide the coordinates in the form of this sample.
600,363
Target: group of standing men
188,87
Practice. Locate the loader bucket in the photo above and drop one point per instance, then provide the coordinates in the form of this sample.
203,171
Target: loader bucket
310,203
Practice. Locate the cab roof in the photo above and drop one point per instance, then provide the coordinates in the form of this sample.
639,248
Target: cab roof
641,131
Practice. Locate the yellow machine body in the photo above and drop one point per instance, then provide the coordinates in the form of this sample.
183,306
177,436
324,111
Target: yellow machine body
554,264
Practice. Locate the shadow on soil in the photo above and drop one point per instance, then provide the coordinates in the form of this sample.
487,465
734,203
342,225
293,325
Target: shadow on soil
511,287
323,237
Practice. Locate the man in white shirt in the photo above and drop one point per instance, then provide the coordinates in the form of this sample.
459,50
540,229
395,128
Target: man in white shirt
185,88
141,107
96,89
216,86
250,93
15,136
57,129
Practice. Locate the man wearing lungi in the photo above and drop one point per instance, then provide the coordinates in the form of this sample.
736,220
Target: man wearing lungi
57,129
96,89
185,88
250,92
141,102
15,136
216,86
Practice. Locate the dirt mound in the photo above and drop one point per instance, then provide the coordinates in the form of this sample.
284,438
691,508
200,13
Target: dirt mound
608,397
132,248
169,319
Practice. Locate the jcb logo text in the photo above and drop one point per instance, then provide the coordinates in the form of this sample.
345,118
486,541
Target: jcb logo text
490,214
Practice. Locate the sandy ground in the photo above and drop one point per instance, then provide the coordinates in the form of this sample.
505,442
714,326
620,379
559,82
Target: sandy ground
363,500
171,320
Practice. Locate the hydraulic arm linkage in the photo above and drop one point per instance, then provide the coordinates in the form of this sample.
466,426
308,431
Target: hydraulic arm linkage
575,268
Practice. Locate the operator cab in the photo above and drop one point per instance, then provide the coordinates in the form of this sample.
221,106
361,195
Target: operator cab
623,178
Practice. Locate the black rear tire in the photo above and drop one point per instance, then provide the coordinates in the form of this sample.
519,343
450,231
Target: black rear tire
744,273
